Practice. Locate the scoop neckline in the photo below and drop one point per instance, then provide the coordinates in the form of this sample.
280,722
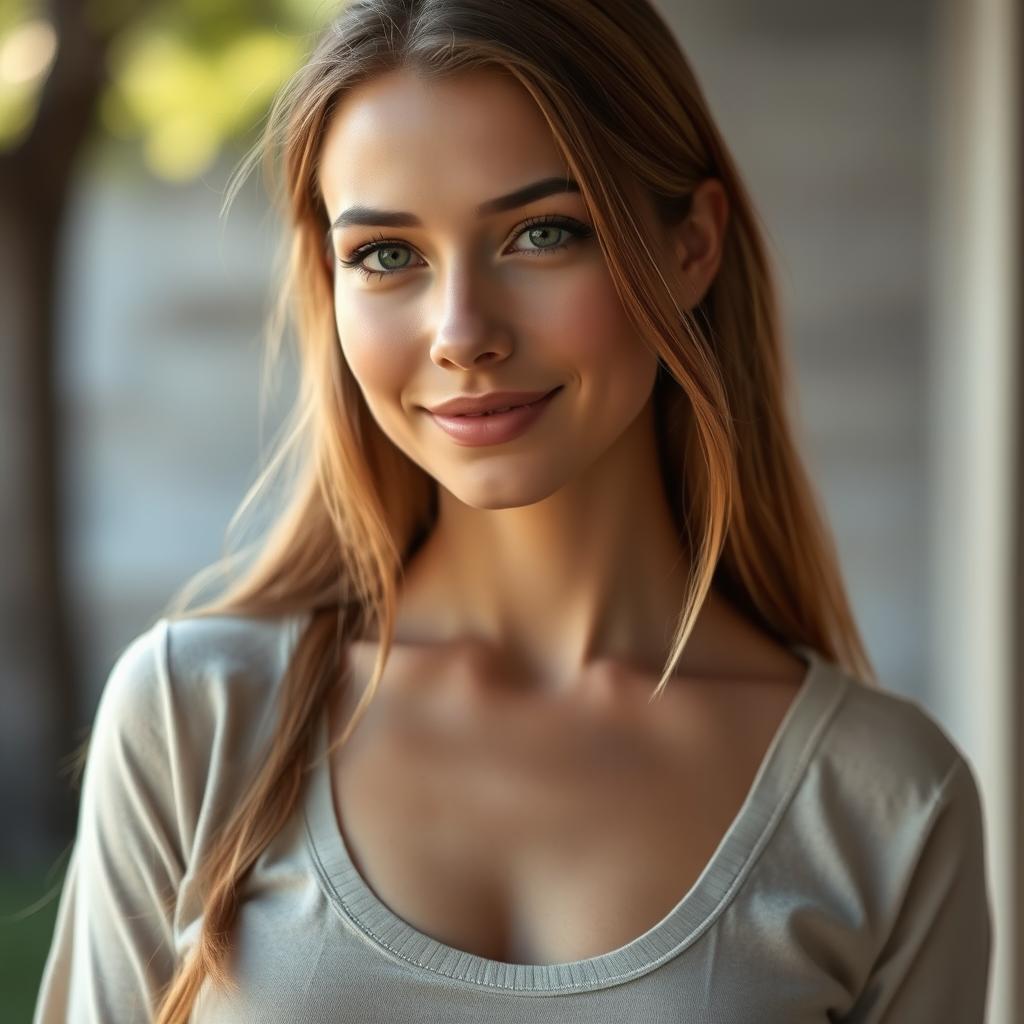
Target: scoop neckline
777,777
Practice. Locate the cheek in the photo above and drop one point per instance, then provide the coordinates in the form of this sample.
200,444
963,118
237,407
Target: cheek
588,327
375,342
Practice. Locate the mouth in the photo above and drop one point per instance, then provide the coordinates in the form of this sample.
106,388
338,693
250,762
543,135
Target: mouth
495,403
494,427
504,409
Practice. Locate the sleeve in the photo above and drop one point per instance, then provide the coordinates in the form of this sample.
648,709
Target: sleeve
934,963
112,947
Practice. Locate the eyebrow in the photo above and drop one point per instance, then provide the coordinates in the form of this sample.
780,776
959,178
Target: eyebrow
367,215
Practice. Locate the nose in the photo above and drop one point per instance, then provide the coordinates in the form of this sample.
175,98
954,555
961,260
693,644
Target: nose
468,330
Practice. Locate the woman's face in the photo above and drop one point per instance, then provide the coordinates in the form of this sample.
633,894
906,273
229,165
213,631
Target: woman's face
457,297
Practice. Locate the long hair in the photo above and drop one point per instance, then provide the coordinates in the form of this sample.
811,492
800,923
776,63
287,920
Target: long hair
633,126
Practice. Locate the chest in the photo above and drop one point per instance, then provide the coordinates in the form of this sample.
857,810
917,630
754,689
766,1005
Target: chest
540,836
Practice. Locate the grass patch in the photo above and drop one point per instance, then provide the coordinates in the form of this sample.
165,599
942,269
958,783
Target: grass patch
28,909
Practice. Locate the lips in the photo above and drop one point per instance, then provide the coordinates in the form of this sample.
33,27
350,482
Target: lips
494,402
505,408
496,428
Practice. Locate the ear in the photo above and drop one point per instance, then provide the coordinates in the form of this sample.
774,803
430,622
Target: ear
698,240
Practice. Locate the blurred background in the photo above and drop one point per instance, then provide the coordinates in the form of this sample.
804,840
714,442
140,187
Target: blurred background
880,141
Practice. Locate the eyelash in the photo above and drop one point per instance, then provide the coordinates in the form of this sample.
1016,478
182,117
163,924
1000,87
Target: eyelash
576,229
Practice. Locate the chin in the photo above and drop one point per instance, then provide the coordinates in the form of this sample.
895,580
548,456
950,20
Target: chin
494,495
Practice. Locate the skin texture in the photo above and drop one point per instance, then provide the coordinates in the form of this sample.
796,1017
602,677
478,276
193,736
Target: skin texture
509,766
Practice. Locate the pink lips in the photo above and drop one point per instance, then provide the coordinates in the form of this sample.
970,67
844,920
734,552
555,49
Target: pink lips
496,428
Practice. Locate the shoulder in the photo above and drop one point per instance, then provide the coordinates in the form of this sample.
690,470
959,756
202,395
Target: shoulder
888,745
198,668
187,711
217,662
889,820
880,791
887,782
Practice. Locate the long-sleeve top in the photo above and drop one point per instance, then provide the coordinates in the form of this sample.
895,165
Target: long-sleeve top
850,886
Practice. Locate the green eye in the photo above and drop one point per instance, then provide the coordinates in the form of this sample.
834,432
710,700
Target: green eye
385,254
540,229
537,238
386,250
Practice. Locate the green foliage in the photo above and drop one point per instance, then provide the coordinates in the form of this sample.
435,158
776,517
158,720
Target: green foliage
184,101
13,12
186,76
28,911
26,48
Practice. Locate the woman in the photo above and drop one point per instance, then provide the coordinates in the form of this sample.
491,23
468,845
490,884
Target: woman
620,754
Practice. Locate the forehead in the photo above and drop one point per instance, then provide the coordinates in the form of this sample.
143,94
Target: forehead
400,137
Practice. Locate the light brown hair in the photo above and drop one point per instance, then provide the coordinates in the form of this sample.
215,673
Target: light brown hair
634,128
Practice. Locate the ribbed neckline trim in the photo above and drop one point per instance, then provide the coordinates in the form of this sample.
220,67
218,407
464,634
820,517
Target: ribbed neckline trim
777,778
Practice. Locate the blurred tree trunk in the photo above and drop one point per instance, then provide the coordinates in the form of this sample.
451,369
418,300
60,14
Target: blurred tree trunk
40,688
